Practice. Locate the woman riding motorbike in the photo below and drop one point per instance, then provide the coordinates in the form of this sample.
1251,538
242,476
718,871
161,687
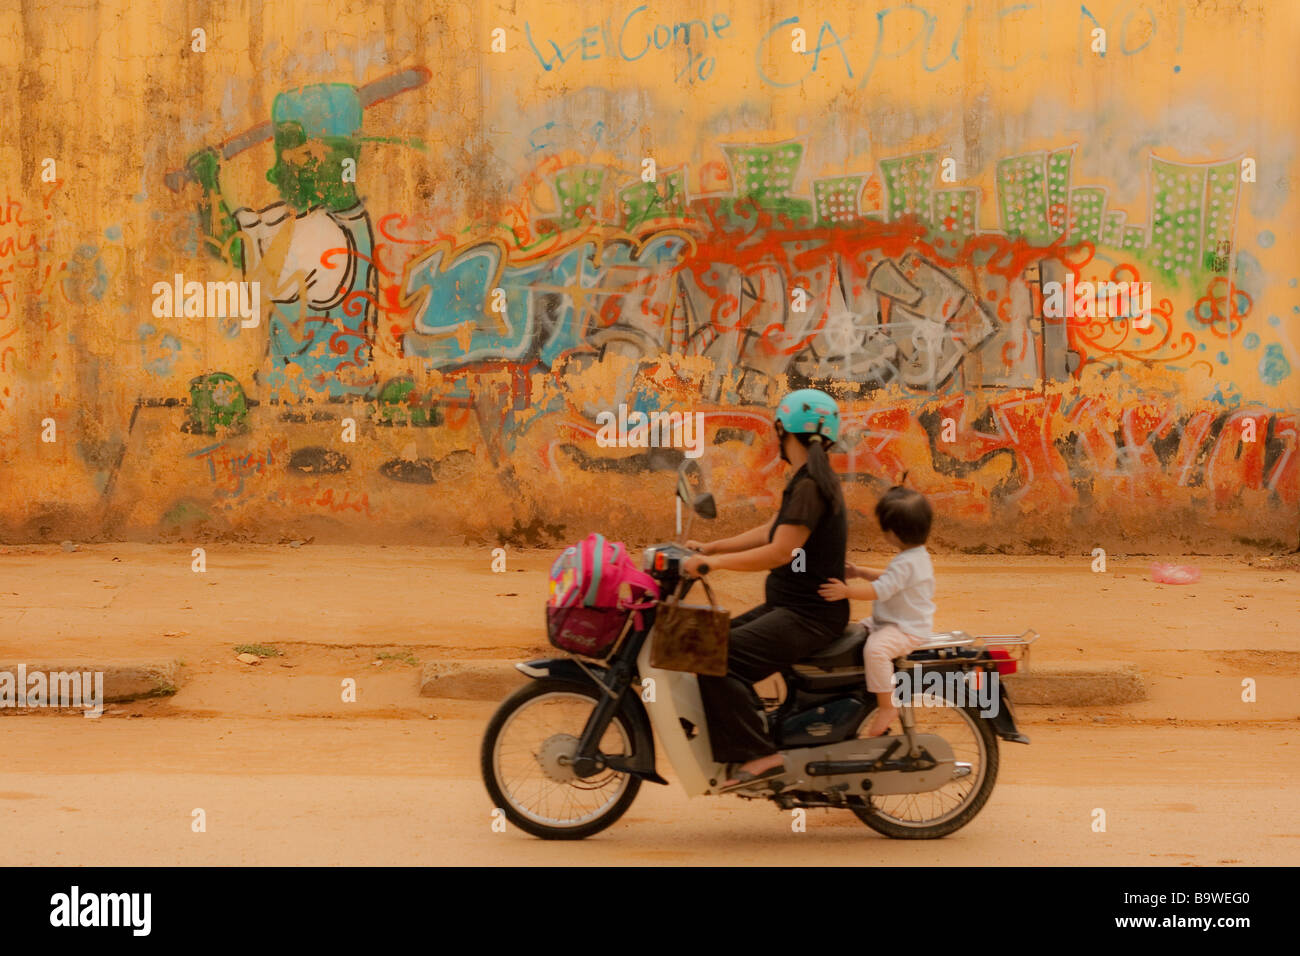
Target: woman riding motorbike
802,546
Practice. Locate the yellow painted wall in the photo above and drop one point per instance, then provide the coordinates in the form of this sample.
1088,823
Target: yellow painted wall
930,330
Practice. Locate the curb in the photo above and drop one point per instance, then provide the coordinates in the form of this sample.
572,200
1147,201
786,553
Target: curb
1078,684
1094,683
122,681
469,680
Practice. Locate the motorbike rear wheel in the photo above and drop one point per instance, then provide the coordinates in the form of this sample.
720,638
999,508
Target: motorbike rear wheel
937,813
525,760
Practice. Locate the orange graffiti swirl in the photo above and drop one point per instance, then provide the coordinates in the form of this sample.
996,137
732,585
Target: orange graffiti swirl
327,260
354,302
400,221
1214,296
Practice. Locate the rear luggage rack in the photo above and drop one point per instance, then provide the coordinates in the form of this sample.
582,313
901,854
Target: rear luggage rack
1015,645
961,645
946,639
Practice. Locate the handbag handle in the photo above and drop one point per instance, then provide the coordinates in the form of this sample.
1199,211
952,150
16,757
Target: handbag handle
708,591
674,599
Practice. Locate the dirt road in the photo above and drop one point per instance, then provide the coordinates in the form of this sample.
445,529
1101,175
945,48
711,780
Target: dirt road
302,791
287,774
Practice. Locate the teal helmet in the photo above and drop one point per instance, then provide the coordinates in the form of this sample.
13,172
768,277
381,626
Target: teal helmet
810,411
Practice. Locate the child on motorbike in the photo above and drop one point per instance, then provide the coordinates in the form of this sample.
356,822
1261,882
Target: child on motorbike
903,615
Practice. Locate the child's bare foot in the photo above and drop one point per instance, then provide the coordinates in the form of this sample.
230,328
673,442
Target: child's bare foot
881,718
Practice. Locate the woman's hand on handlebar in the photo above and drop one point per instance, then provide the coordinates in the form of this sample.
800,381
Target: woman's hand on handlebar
694,566
703,547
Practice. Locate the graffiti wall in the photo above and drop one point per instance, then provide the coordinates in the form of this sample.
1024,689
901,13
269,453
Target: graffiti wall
389,272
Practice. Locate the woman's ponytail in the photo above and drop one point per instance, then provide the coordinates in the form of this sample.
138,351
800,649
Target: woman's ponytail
819,469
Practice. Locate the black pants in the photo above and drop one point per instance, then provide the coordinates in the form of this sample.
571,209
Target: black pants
760,642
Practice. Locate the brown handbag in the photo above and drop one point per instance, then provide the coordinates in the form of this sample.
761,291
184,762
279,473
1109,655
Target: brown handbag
691,637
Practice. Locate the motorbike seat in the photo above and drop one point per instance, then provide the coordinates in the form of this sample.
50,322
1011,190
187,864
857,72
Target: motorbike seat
844,651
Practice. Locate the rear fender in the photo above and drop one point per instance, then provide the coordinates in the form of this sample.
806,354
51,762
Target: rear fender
642,763
1004,721
1003,718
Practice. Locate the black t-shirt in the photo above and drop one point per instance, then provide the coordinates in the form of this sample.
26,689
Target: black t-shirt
802,503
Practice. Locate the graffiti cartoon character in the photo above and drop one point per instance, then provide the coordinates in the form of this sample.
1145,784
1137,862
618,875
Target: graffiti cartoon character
311,251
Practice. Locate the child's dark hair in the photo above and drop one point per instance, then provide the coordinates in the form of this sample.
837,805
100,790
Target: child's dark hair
820,470
906,513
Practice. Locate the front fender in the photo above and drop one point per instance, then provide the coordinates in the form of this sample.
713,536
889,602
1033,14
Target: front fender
633,711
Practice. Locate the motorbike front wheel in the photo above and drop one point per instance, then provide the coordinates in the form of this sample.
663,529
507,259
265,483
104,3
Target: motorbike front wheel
527,756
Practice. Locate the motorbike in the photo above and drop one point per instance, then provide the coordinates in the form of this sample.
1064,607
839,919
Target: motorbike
565,755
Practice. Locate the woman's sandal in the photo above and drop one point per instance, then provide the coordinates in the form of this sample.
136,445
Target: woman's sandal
745,779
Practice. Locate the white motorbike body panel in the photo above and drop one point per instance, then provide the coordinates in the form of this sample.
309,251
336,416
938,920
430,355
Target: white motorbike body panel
677,696
883,783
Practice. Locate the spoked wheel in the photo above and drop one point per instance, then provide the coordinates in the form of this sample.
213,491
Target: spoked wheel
936,813
527,757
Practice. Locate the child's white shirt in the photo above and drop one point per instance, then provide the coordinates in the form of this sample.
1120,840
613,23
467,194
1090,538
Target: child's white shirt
905,593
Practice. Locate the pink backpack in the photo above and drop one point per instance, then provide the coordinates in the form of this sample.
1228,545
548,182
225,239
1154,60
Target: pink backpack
592,573
593,586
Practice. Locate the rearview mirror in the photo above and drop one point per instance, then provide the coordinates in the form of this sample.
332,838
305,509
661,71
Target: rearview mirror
690,482
693,493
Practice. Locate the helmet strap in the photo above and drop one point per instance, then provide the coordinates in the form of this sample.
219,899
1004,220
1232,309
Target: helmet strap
780,441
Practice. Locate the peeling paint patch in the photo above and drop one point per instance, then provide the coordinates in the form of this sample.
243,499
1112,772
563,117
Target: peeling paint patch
1273,367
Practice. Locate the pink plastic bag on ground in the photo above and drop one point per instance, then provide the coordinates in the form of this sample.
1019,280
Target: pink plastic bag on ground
1175,573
